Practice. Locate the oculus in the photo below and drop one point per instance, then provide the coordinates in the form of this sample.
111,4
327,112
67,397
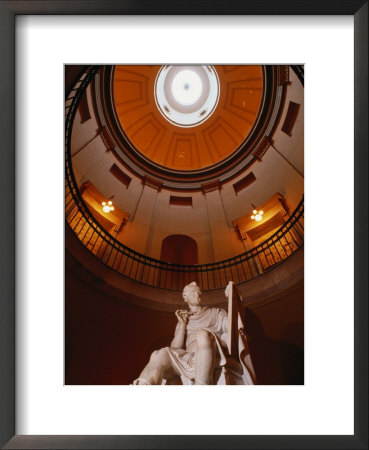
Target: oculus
187,95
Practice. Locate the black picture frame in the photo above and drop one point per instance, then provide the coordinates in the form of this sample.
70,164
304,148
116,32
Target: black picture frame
8,11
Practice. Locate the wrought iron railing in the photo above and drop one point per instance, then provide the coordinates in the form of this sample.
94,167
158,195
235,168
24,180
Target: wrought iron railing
141,268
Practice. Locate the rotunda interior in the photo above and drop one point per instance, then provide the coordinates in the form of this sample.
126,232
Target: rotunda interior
177,174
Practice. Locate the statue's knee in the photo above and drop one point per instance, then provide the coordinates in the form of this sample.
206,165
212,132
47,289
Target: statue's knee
158,355
204,338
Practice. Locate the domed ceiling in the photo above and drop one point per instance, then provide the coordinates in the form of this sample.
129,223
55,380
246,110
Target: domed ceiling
188,125
167,113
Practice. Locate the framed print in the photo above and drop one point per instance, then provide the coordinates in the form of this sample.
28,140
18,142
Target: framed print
162,221
79,346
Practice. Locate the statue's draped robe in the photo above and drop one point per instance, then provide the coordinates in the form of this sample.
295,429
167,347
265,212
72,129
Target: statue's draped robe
213,320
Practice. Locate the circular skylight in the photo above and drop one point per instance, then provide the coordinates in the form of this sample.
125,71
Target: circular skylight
187,95
186,87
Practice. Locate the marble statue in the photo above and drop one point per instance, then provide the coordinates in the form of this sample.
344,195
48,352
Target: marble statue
202,351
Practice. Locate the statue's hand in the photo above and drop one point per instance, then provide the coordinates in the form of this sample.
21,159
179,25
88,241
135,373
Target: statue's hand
182,316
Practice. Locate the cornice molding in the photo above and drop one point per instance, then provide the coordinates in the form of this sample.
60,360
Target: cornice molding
106,138
261,149
212,186
151,182
283,75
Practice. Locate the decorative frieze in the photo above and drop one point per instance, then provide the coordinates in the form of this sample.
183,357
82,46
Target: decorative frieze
212,186
262,147
283,75
106,138
151,182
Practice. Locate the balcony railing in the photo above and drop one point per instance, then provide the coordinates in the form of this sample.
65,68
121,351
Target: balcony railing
150,271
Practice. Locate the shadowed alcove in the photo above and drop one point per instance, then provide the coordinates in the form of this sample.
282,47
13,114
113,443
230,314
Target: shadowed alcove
179,249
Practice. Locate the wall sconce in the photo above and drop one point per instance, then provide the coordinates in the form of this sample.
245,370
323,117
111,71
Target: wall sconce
256,215
107,207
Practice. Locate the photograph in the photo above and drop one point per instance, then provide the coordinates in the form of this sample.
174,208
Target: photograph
184,224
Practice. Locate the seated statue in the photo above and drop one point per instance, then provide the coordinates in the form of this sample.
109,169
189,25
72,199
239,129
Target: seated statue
202,351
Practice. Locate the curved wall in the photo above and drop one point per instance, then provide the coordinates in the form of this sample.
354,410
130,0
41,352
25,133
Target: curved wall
209,220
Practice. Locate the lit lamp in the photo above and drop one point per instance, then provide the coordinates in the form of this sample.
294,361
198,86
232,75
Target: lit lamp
107,207
257,215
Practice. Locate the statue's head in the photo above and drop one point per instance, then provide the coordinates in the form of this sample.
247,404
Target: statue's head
192,293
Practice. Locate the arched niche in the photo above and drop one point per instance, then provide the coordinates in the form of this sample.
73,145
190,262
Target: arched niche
179,249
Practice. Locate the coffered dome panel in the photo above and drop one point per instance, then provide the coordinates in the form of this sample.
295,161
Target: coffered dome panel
174,145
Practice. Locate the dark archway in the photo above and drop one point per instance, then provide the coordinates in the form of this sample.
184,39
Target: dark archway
179,249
